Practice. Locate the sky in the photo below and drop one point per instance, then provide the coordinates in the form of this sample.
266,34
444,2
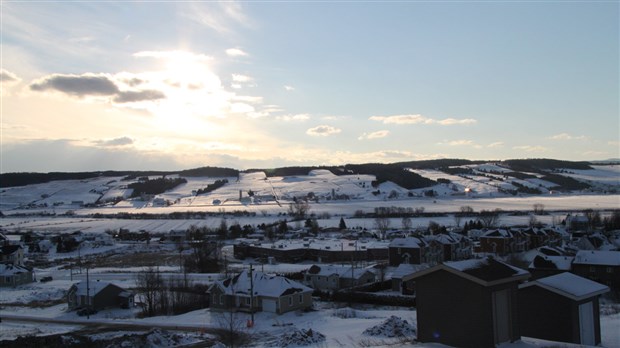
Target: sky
162,85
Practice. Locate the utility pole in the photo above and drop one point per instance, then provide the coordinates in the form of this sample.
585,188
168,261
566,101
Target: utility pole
252,294
87,295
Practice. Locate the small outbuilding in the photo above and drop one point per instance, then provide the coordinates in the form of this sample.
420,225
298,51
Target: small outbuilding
98,295
471,303
563,307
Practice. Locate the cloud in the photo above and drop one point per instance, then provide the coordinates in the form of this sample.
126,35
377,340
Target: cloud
175,55
101,85
8,77
289,88
220,16
496,144
131,96
297,117
566,136
236,52
459,143
374,135
77,85
241,78
323,131
531,148
419,119
122,141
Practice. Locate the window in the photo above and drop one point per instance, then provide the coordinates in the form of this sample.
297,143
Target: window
221,299
301,298
247,301
290,300
610,270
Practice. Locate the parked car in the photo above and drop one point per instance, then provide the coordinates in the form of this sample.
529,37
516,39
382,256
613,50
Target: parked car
46,279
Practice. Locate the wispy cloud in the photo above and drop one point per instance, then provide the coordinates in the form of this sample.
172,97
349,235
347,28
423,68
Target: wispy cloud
236,52
297,117
289,88
219,16
566,136
531,148
374,135
176,55
323,131
496,144
8,77
122,141
240,81
419,119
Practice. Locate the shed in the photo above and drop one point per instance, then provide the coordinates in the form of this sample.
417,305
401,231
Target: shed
563,307
456,299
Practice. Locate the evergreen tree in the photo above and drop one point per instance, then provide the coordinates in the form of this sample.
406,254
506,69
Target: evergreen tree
342,225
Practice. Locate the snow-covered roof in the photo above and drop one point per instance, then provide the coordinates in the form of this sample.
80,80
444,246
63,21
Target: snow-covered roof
485,272
409,242
404,270
10,269
263,285
325,244
593,257
498,233
94,287
569,285
341,271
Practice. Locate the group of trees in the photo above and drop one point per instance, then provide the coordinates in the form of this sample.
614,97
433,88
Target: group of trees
154,186
168,296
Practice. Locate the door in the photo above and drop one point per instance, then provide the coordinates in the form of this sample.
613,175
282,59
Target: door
502,321
269,306
586,323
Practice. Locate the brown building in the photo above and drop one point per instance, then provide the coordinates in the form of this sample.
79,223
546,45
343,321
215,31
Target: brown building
563,307
470,303
600,266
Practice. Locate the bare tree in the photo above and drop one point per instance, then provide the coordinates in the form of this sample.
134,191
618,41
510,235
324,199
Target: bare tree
466,210
382,223
489,218
539,209
298,209
457,219
406,222
149,283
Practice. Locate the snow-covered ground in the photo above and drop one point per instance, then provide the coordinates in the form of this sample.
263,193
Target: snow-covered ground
341,326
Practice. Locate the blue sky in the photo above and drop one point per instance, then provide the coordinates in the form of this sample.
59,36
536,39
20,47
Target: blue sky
173,85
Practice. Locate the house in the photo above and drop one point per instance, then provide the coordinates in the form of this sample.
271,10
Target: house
414,250
402,277
98,295
258,291
545,265
454,246
503,241
456,299
12,254
599,266
577,223
563,307
332,278
13,275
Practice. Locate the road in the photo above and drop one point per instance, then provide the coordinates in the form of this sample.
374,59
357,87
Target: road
107,323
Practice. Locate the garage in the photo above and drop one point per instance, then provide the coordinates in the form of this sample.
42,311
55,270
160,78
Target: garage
270,305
